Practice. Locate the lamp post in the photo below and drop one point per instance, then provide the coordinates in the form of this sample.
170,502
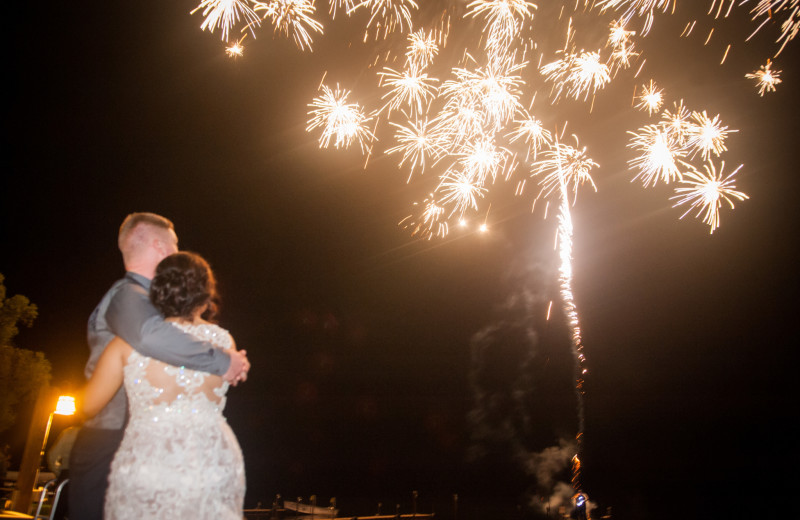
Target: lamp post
47,405
64,406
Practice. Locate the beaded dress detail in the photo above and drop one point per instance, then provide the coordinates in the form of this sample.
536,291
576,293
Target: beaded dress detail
179,457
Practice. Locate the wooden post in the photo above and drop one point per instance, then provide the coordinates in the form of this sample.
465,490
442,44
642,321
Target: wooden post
31,457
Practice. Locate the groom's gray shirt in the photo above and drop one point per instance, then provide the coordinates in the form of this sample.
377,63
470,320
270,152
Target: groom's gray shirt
126,311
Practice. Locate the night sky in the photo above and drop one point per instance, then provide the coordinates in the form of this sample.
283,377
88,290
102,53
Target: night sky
370,348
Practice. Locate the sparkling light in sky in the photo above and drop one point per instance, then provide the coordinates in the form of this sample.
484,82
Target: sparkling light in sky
225,14
659,151
409,88
292,18
705,191
630,8
651,98
564,166
769,9
344,122
765,77
476,127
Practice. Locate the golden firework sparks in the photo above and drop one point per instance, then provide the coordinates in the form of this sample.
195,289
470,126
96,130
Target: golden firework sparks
293,18
659,152
410,87
387,16
347,5
706,135
416,142
344,122
640,8
504,18
677,121
422,48
790,26
532,131
706,191
651,99
429,222
563,164
766,78
234,50
225,14
460,189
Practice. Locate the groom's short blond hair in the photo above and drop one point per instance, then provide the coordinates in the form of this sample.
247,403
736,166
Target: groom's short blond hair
133,230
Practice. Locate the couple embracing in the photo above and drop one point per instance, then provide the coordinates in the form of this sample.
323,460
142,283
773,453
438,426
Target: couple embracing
156,444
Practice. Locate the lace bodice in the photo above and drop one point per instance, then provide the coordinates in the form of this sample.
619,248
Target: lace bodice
178,458
155,388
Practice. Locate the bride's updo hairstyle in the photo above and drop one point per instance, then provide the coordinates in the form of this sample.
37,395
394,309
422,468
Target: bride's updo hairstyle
183,283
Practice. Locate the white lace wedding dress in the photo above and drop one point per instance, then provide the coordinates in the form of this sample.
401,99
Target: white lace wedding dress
179,459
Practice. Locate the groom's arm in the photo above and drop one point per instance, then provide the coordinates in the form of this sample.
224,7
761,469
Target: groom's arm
133,317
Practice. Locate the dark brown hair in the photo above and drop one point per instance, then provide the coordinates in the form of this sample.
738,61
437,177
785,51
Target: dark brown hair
184,282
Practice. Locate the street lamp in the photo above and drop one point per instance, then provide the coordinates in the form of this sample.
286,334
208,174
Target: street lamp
64,406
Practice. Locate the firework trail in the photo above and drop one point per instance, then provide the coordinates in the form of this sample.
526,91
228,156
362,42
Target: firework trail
571,166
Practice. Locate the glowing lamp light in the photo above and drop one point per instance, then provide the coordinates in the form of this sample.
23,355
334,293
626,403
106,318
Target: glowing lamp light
65,405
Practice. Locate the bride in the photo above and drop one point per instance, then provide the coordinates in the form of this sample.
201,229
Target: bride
178,458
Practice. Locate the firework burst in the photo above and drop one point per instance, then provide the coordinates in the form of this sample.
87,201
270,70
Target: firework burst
563,164
577,75
429,222
410,87
416,142
706,136
293,18
677,121
504,18
494,90
235,50
387,16
461,189
341,121
225,14
533,132
422,48
482,159
766,78
631,8
659,151
651,99
706,191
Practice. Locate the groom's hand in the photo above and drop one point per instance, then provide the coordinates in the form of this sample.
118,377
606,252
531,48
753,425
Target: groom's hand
237,371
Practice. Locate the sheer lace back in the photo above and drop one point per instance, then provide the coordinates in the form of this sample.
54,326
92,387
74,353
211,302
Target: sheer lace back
157,383
178,458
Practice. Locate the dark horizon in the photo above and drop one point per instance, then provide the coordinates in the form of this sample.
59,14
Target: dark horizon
370,347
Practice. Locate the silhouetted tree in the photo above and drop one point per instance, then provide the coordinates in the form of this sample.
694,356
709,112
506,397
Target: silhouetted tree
22,371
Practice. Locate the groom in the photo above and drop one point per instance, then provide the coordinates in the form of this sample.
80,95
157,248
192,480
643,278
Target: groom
125,311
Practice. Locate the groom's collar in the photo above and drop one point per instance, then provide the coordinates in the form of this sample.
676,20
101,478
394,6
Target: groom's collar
138,279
